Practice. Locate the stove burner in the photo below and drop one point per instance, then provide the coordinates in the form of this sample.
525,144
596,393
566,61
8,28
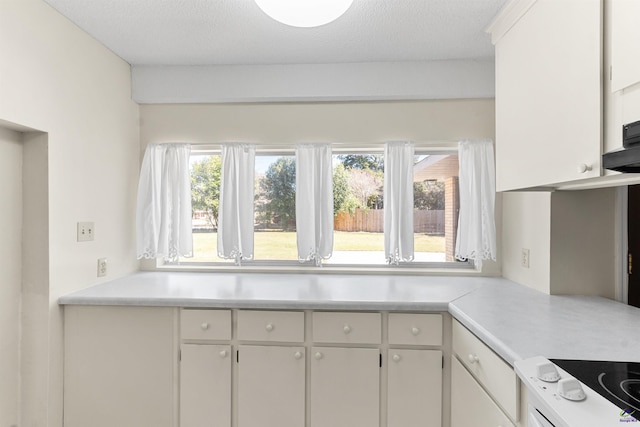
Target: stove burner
618,382
629,387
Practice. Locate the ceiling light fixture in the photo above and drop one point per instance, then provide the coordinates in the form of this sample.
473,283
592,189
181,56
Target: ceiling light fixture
304,13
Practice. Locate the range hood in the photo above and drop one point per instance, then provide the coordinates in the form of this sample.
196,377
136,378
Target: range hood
626,159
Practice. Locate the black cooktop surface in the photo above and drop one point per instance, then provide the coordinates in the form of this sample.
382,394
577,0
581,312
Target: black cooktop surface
618,382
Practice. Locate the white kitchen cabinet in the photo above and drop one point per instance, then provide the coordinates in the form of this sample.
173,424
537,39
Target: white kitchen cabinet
345,387
548,92
172,367
414,388
271,386
625,39
119,366
205,385
470,404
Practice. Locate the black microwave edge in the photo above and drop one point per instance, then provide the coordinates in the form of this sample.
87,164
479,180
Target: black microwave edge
631,134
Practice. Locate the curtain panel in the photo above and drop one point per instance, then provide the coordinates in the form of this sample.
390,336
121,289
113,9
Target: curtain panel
476,239
235,218
398,201
163,212
314,202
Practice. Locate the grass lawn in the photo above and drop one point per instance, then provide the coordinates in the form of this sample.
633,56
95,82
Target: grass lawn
281,245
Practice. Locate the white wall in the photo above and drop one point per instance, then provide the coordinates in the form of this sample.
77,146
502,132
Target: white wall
571,238
583,242
57,80
10,273
153,84
526,223
348,122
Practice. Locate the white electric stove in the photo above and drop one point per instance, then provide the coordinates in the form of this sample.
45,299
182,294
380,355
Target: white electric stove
581,393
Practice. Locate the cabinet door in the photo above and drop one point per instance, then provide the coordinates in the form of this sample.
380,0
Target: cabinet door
119,366
271,386
625,39
470,404
345,387
414,396
548,95
205,385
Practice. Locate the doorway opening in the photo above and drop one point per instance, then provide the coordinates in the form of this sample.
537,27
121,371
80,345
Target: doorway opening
633,245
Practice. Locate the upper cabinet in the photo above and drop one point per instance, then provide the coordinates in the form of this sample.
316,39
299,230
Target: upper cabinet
625,40
548,92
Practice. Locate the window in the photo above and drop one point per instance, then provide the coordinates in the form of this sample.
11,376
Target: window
358,179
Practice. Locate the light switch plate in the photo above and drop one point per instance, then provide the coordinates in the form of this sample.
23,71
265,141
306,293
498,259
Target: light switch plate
86,231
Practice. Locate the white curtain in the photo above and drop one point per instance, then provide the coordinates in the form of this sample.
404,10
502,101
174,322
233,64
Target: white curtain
235,218
476,238
314,202
398,201
163,215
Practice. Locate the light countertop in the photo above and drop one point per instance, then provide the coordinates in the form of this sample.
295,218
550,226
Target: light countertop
515,321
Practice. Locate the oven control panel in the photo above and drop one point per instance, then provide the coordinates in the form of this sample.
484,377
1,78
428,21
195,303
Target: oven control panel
563,400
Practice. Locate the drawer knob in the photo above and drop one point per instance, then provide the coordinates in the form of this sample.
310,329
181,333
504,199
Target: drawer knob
346,329
204,326
415,331
297,355
396,358
318,356
473,358
223,353
269,327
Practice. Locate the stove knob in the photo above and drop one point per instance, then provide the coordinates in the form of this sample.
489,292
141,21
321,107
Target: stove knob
570,389
547,372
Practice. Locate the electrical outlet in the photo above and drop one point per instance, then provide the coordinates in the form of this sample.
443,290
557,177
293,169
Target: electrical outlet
102,267
85,231
524,259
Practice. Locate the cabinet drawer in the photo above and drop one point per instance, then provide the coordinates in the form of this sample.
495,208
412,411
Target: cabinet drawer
469,402
350,328
497,377
415,329
205,324
278,326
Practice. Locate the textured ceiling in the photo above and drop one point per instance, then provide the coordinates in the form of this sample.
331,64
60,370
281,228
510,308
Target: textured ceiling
223,32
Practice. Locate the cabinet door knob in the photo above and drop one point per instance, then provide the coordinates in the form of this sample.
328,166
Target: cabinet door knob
297,355
223,353
204,326
396,358
318,356
269,327
473,358
415,331
582,168
346,329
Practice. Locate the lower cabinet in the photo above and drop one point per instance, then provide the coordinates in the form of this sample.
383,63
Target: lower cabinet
345,387
271,386
205,385
119,366
470,404
414,388
171,367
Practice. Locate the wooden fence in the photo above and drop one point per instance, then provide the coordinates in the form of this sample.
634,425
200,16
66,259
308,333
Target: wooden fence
372,220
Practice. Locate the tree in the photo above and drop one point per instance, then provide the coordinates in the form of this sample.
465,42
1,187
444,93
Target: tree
278,186
428,197
205,187
366,187
343,198
372,162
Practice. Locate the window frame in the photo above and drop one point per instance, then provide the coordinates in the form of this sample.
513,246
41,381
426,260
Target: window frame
309,266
